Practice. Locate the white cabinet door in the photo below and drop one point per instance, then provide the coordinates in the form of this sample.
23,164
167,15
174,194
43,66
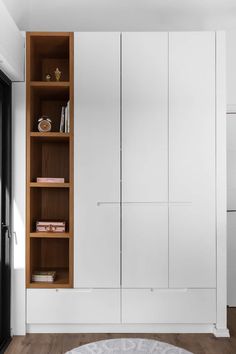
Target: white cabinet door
231,161
231,233
169,306
145,159
145,245
97,160
67,306
231,206
145,116
192,159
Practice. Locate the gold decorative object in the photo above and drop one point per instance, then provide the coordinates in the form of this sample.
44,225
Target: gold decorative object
57,73
48,77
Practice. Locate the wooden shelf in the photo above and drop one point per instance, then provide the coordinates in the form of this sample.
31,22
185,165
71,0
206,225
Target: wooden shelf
50,136
61,281
49,154
52,84
50,235
49,185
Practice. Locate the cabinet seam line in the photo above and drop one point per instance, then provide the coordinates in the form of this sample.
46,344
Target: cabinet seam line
121,258
168,138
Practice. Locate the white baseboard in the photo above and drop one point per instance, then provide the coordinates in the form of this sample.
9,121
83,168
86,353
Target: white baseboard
221,332
125,328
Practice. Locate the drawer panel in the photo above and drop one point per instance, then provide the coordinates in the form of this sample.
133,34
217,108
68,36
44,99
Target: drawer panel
169,306
68,306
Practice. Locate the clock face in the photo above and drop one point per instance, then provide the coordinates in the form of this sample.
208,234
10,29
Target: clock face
44,126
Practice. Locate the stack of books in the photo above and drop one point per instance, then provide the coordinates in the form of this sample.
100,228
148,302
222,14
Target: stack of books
44,276
65,119
50,180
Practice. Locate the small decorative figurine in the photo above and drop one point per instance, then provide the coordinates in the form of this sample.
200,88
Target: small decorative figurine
44,124
48,77
57,73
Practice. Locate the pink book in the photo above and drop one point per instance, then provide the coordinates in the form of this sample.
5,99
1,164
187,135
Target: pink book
50,180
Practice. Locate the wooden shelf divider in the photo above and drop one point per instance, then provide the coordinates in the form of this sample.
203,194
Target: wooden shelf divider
50,235
49,185
50,136
52,84
49,154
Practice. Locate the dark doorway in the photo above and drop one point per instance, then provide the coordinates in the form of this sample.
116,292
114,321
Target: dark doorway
5,210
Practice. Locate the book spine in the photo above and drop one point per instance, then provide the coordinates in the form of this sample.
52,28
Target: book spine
66,119
46,280
62,123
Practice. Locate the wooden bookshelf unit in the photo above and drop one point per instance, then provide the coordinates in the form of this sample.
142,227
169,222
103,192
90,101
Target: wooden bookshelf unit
49,154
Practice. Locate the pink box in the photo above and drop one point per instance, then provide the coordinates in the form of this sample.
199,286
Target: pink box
50,226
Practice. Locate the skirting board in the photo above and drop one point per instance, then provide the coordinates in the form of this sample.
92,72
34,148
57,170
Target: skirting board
139,328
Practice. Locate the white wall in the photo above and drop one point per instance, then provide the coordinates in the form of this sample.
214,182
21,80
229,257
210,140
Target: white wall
11,46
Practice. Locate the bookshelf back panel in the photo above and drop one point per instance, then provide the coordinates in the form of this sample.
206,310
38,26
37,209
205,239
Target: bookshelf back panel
49,159
49,66
55,253
49,204
35,255
46,54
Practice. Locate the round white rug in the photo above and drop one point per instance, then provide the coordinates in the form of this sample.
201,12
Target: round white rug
129,346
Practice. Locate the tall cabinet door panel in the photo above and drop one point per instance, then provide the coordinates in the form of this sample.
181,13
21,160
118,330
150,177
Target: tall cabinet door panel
145,246
97,160
145,116
145,159
192,159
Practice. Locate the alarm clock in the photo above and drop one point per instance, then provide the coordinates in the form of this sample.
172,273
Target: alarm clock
44,124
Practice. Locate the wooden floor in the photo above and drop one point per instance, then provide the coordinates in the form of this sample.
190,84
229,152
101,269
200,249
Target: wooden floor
60,343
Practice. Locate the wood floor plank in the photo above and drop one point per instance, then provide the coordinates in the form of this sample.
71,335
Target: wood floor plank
60,343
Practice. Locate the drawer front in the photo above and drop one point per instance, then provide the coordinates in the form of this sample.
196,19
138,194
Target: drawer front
169,306
69,306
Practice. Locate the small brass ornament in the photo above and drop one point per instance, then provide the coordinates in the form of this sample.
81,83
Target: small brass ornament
48,77
57,73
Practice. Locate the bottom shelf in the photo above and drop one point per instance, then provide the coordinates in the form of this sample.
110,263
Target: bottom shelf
62,279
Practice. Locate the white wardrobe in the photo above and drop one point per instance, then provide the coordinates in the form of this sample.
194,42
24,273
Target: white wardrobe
150,205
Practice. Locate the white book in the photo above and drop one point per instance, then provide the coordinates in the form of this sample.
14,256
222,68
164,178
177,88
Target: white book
66,119
68,113
44,276
62,123
43,279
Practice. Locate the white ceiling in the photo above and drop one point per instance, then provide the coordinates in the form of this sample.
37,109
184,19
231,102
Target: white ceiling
122,15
